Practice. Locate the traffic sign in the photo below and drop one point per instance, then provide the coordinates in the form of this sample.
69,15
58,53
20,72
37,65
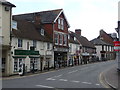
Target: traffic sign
116,45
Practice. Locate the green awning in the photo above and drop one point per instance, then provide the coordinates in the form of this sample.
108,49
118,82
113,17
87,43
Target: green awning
26,52
19,56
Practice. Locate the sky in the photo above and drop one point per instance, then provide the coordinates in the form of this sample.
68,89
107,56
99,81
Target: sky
88,15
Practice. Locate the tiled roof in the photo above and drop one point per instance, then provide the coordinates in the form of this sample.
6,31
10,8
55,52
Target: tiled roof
27,30
98,41
71,40
4,2
46,16
84,41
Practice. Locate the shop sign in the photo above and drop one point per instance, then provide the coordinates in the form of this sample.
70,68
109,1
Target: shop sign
116,45
26,52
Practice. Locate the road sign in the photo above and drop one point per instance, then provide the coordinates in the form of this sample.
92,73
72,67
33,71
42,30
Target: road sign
116,45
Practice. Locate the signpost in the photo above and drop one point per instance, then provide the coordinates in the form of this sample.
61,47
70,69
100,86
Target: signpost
116,45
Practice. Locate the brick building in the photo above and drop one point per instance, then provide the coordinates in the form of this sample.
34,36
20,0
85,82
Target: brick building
56,25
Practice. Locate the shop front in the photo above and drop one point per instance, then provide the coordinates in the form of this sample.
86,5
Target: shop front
85,57
60,57
25,61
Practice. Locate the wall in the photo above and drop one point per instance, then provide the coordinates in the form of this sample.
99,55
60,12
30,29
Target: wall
98,49
6,19
41,47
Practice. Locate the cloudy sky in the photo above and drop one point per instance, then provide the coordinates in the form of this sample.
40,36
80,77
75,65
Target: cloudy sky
88,15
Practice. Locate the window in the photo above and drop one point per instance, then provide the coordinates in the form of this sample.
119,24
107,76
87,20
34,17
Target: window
33,61
65,39
3,64
61,39
48,45
61,23
14,24
17,64
34,43
27,45
56,38
70,47
42,32
19,42
75,39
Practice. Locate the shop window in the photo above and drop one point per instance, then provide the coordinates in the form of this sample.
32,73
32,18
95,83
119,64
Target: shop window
33,61
3,64
18,64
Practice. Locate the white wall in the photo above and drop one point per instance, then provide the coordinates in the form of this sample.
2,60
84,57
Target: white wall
41,47
98,49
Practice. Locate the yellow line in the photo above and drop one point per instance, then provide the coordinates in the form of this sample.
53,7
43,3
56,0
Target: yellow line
101,81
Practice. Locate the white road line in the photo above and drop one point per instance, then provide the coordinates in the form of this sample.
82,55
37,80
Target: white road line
75,81
44,86
86,83
58,75
97,84
50,79
63,80
72,71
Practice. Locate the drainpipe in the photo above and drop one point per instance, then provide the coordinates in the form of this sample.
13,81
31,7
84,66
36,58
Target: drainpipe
118,53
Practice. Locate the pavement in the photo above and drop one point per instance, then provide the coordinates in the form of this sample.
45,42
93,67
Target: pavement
112,78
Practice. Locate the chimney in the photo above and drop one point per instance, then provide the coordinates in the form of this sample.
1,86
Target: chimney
37,20
78,32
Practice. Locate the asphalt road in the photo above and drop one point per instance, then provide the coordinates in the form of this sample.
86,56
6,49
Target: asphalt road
82,76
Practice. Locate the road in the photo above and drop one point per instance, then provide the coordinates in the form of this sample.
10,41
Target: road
82,76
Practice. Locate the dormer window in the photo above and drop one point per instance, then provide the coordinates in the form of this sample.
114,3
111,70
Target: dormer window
75,39
14,24
42,32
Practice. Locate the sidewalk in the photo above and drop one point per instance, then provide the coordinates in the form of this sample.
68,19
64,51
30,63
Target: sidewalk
112,78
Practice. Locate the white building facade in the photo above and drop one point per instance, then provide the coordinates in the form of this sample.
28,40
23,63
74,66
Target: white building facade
5,28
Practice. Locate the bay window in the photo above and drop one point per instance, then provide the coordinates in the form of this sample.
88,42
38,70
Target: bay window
65,39
61,39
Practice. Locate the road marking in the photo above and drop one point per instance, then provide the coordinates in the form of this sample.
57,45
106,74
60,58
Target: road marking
50,79
63,80
75,81
97,84
86,83
44,86
72,71
58,75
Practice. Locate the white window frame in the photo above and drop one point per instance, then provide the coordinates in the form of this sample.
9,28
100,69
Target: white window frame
18,62
20,43
14,24
35,43
35,61
60,23
42,32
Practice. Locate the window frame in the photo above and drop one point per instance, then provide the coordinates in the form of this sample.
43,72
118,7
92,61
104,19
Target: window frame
56,38
20,43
